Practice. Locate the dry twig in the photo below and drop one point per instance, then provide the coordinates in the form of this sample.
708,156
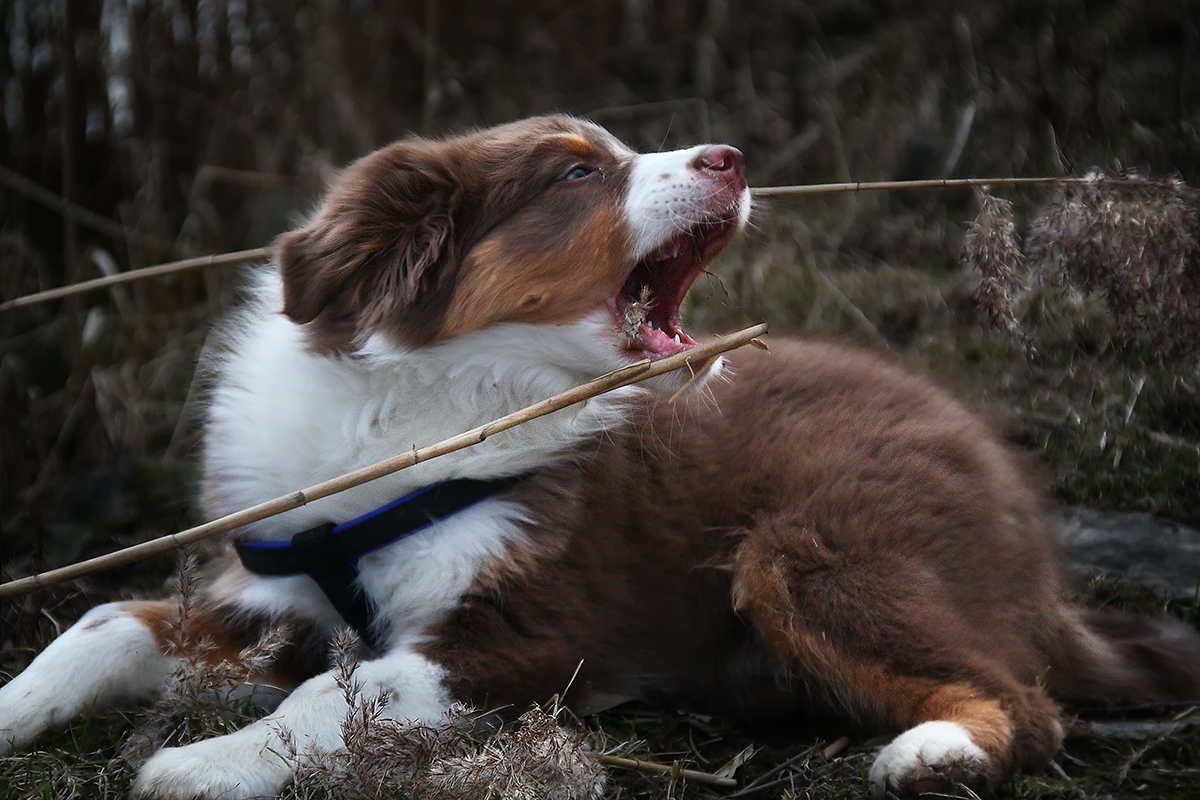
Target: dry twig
654,768
38,193
768,779
891,186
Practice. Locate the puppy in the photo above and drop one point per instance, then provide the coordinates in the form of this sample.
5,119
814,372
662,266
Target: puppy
812,526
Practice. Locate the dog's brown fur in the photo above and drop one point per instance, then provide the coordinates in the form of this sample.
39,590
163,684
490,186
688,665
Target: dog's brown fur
873,560
824,524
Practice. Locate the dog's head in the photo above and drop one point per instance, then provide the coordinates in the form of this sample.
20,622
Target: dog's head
547,221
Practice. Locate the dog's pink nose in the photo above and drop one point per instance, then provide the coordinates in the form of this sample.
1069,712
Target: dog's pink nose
721,158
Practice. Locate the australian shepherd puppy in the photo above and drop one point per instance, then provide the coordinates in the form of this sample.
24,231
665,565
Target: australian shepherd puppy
810,525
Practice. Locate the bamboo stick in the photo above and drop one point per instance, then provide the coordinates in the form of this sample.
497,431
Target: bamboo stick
170,268
639,371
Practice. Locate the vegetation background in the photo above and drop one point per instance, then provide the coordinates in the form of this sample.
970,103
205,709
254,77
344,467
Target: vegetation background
186,127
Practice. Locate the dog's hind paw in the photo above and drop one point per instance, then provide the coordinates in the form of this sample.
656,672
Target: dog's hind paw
933,757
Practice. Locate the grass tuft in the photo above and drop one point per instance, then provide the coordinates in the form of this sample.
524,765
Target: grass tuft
461,758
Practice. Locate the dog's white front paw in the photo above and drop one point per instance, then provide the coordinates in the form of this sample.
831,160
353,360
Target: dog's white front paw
933,755
233,767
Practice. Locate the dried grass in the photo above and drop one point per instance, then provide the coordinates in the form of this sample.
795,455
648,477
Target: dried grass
1134,244
635,315
531,759
459,758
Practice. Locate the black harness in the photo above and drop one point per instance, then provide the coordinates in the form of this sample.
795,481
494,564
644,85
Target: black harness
329,553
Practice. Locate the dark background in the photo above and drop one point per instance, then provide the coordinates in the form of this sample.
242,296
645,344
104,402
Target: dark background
175,128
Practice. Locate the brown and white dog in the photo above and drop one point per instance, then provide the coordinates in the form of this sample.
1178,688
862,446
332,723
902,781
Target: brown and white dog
813,526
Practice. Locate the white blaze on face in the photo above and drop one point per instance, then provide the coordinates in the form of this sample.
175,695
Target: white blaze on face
668,195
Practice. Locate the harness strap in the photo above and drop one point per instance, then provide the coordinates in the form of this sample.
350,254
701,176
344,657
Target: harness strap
329,553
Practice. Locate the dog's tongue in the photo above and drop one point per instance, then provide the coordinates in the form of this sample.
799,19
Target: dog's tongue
658,343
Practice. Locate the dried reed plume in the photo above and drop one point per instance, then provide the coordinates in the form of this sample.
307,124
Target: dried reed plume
991,248
203,696
1135,243
635,315
535,758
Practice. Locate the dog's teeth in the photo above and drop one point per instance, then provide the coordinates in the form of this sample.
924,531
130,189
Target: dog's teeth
677,339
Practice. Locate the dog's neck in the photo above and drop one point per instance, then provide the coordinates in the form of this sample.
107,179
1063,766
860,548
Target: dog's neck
284,418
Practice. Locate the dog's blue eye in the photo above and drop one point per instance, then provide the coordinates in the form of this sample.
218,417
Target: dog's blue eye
577,172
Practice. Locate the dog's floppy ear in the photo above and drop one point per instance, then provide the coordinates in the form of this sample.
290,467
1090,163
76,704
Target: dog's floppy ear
378,256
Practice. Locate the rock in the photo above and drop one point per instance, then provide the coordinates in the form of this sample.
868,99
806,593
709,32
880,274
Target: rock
1144,549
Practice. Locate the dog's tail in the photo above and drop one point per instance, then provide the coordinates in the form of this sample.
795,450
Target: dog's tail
1105,656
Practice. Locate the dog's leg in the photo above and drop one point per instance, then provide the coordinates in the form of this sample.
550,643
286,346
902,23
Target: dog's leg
876,635
117,654
111,657
256,761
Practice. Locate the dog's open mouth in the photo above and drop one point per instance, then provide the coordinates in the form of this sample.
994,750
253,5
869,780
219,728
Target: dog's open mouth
646,308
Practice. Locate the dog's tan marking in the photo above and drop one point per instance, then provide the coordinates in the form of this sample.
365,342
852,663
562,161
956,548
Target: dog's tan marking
902,700
208,635
987,706
512,278
573,143
163,619
982,717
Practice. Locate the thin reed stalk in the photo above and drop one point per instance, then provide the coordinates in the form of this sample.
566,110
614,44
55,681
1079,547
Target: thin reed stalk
640,371
891,186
